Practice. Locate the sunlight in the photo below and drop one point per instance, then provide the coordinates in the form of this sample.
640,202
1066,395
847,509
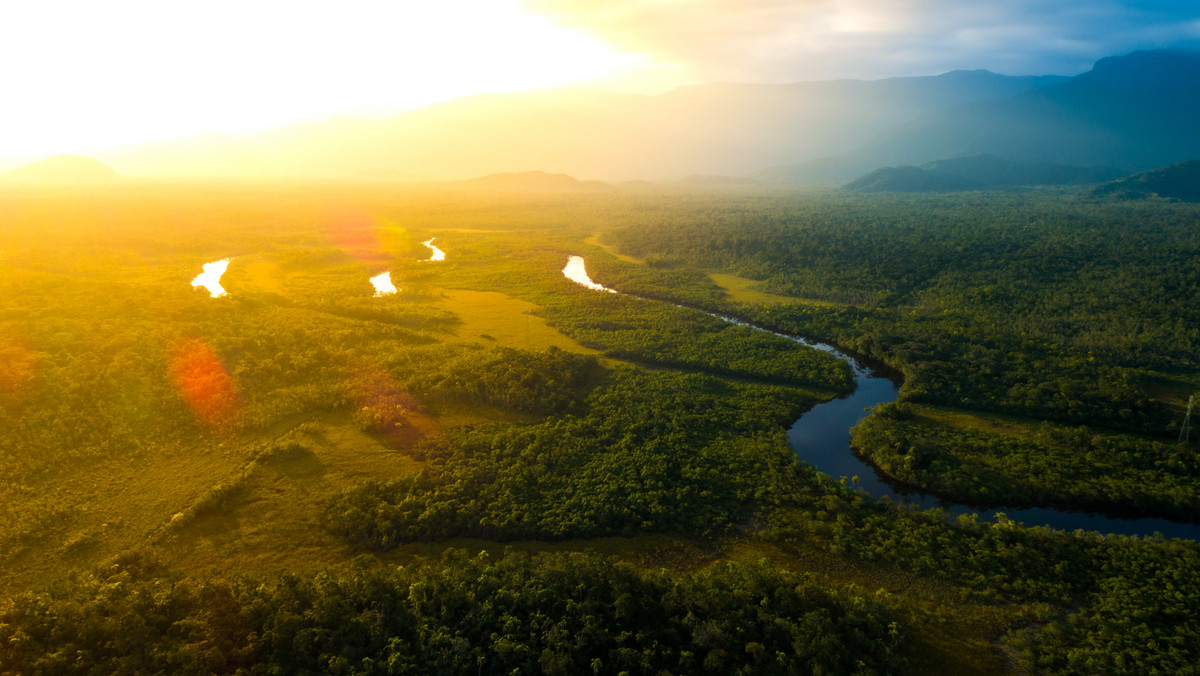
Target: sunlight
437,255
576,272
236,67
211,277
383,285
17,362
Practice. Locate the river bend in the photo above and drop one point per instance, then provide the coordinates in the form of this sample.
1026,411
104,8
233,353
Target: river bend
821,437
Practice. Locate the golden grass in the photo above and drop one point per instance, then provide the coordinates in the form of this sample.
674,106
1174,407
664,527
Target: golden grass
594,240
493,318
739,290
107,507
256,272
974,420
273,522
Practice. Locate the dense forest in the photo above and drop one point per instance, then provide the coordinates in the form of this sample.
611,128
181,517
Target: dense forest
497,470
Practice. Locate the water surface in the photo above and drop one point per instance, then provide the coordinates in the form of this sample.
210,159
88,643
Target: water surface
383,284
576,272
437,254
211,277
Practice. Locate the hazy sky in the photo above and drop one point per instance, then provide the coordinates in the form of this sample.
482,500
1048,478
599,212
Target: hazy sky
82,74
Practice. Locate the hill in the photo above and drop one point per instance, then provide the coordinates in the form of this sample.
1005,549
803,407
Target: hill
908,179
538,181
1179,181
62,169
976,172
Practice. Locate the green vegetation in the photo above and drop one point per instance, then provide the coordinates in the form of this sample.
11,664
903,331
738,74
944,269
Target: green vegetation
1041,307
199,485
551,614
1029,465
1179,181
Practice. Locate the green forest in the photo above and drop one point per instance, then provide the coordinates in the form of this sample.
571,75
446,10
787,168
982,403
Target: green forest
497,470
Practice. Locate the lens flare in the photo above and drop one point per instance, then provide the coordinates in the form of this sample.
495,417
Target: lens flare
384,406
357,234
17,362
204,383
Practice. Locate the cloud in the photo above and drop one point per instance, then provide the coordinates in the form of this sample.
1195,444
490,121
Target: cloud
790,40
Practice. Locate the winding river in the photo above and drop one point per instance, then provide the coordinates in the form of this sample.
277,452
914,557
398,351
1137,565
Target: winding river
821,437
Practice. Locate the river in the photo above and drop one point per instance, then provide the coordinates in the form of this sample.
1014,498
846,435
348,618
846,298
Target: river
821,437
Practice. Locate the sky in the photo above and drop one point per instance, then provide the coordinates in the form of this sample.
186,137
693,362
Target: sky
80,75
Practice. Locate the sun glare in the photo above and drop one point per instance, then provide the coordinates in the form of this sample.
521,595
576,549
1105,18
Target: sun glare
134,70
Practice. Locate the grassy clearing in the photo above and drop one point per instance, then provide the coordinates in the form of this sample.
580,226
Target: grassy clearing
103,509
739,289
594,240
973,420
271,522
1173,390
493,318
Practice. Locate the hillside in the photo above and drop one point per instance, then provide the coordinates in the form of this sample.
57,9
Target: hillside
537,181
976,172
908,179
62,169
1180,181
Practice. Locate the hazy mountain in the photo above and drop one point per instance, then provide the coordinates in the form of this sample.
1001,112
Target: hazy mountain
1179,181
714,129
62,169
533,181
977,172
1135,111
908,179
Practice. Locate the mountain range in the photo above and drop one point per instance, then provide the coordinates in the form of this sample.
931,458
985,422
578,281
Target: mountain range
978,172
1179,181
62,170
1131,113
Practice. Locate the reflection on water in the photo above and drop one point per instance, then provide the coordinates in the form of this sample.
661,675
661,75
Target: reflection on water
578,274
383,284
211,277
438,254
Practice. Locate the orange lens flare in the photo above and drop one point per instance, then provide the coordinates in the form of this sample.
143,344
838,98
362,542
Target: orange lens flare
17,363
357,235
384,406
204,383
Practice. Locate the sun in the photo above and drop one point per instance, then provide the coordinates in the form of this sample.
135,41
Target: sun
97,75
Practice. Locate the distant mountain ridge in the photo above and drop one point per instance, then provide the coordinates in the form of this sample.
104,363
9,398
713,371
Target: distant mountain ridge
1180,181
62,169
977,172
1136,112
538,181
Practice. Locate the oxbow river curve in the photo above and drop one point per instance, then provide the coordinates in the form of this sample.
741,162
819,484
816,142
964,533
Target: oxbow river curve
821,437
